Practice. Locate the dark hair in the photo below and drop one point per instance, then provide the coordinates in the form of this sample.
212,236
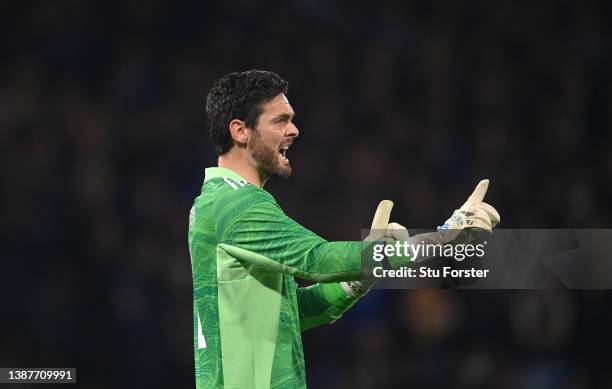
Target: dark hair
239,95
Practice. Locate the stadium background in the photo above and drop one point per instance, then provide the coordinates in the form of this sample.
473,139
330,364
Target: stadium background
103,147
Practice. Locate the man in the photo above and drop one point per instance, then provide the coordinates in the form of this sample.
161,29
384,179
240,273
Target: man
245,252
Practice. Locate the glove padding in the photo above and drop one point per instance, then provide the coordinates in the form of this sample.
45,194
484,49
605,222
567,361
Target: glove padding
473,214
380,230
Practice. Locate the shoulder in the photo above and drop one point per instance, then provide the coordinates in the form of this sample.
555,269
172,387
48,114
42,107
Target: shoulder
224,193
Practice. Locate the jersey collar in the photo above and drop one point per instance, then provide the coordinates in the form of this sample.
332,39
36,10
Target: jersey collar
216,172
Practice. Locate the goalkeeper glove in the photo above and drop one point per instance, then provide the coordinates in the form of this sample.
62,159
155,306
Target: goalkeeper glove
381,230
473,214
473,217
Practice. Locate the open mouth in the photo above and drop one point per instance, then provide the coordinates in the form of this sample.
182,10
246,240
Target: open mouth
283,153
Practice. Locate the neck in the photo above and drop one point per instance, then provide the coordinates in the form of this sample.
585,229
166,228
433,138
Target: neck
238,160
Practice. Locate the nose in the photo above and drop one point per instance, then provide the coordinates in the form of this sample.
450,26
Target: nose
292,131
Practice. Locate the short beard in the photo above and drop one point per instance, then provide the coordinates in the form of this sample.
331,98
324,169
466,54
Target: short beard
266,158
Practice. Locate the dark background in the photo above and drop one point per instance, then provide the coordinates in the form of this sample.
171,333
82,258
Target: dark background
103,147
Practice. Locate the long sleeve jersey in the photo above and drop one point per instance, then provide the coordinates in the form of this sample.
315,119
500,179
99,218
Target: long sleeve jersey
248,310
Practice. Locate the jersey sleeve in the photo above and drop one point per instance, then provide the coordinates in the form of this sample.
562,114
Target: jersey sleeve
322,304
254,229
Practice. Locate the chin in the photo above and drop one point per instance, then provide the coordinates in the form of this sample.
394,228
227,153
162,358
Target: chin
284,172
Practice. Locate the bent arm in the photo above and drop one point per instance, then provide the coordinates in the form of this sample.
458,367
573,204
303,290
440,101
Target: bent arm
261,234
322,304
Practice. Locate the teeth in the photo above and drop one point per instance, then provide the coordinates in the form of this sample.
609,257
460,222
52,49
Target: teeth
283,152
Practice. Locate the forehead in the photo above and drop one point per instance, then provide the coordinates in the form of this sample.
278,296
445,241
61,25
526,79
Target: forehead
278,105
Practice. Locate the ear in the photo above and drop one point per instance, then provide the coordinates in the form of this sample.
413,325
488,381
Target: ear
239,132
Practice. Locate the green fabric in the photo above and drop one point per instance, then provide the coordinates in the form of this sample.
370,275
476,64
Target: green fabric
220,172
249,306
322,304
327,272
245,252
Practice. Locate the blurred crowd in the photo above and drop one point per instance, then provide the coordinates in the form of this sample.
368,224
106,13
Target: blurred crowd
103,147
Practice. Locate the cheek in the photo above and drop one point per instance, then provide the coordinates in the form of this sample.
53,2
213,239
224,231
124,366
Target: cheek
272,135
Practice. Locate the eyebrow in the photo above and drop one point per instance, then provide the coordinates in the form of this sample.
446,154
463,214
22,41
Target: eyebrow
284,116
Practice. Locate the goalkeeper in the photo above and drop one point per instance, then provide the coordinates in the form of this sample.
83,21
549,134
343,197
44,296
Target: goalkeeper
245,252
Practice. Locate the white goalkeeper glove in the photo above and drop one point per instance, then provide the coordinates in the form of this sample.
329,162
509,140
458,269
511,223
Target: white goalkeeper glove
381,230
473,214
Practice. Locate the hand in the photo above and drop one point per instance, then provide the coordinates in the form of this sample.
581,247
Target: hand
474,214
380,230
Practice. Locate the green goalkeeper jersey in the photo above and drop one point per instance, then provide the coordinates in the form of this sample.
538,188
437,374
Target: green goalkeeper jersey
248,310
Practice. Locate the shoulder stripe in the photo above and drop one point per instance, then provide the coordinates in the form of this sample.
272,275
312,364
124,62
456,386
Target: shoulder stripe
230,183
